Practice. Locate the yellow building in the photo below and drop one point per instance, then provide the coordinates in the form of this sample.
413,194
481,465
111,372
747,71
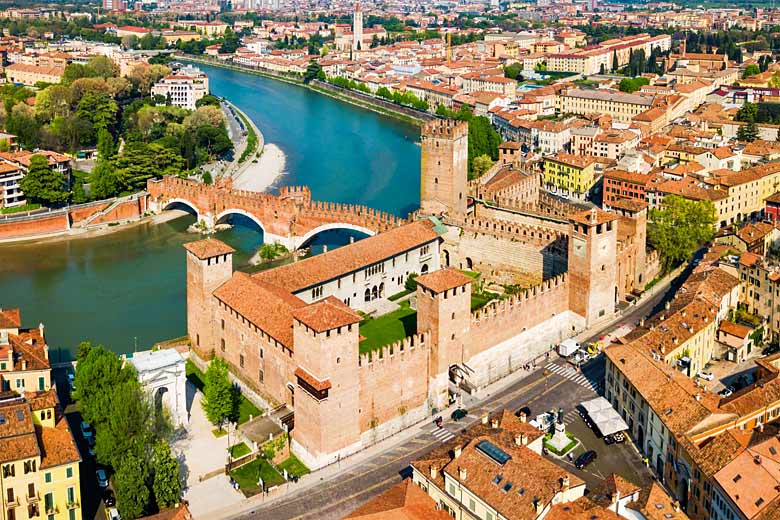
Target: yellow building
570,174
39,459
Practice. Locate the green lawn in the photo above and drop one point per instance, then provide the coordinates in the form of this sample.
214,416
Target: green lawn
470,273
294,467
479,300
247,408
194,375
246,476
388,328
20,209
239,450
399,295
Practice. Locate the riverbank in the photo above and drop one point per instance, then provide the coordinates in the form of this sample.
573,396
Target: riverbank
358,99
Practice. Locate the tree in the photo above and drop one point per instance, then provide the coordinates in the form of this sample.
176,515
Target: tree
167,485
513,71
99,109
42,184
602,69
748,132
104,183
748,112
480,165
132,495
140,162
83,350
615,63
127,429
751,70
411,282
96,374
632,84
218,396
681,227
313,71
105,144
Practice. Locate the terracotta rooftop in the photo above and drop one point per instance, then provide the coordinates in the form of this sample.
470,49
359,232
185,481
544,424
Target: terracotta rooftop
629,204
735,329
313,381
344,260
443,279
593,216
10,318
655,504
57,444
326,314
403,501
17,432
208,248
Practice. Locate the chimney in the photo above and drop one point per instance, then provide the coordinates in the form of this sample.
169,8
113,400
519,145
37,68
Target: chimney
457,450
485,419
682,313
46,350
667,306
461,473
24,364
675,340
523,418
663,316
494,423
538,505
40,330
662,349
676,506
521,439
564,483
642,322
434,471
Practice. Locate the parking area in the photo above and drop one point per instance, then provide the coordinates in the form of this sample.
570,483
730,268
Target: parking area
622,459
730,374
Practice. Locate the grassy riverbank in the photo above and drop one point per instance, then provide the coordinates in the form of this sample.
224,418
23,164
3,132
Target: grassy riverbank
297,81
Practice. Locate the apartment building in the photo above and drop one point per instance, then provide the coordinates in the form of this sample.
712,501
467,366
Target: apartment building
619,105
30,75
183,88
622,184
13,166
11,192
570,174
614,143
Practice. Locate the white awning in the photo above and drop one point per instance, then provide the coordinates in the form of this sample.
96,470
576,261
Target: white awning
604,417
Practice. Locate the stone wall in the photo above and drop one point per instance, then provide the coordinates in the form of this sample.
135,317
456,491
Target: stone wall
33,226
125,210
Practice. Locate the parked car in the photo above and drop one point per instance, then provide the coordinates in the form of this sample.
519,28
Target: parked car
112,514
609,440
619,437
459,414
707,376
72,381
726,392
108,498
86,430
102,478
585,459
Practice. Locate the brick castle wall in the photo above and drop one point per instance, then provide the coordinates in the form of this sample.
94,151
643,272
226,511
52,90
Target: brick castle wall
127,210
17,228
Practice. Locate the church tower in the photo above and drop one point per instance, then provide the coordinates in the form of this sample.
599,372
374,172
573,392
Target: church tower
357,27
209,265
592,272
444,167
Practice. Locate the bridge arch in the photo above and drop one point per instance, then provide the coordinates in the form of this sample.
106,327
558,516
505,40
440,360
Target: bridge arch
237,211
184,202
335,225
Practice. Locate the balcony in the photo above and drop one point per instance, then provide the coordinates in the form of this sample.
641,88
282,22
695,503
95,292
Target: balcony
72,505
51,509
12,503
34,498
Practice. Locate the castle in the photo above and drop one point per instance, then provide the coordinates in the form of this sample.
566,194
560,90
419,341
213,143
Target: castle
293,333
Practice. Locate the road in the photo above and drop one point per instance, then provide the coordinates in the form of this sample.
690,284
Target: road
545,389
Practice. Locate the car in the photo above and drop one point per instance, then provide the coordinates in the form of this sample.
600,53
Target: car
86,430
524,410
619,437
707,376
102,478
112,514
726,392
72,381
609,440
585,459
459,414
108,498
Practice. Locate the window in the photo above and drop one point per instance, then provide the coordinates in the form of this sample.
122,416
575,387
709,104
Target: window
29,466
260,375
10,494
71,495
47,477
41,384
48,501
222,344
2,366
241,360
69,472
472,504
72,514
9,470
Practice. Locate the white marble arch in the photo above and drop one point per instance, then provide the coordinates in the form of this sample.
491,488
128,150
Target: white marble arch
163,375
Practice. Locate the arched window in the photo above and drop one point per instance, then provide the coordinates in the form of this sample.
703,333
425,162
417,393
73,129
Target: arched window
368,295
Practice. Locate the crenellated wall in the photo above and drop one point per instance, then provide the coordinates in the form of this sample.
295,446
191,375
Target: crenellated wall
393,387
290,218
507,318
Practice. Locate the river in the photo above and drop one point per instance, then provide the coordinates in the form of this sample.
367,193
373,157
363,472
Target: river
126,289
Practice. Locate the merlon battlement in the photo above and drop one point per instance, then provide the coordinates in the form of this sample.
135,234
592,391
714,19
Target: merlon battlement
445,129
410,345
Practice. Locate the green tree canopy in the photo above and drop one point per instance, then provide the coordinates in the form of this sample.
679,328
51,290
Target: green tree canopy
42,184
751,70
218,395
127,430
748,132
167,485
132,495
680,228
96,374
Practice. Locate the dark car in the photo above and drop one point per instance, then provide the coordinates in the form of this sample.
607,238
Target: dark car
585,459
459,414
108,498
524,410
609,440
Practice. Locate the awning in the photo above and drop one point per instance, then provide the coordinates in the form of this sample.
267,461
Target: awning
604,417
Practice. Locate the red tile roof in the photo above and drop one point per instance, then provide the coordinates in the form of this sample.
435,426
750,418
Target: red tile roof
327,314
208,248
443,279
403,501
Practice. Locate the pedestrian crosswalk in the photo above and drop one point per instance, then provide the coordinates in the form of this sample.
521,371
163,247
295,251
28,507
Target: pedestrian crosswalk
442,434
572,375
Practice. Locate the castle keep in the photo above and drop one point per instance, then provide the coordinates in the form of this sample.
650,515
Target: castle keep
293,333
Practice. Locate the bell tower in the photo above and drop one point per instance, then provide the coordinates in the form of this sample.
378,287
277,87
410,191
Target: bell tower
592,265
444,167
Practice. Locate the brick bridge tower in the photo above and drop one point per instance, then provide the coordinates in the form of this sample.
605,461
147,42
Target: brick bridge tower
444,167
209,265
593,265
444,309
327,393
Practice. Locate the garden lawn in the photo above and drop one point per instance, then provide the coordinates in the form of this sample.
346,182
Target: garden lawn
247,408
194,375
294,467
479,300
388,328
246,476
239,450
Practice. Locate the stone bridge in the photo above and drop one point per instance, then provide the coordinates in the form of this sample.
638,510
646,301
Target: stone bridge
290,218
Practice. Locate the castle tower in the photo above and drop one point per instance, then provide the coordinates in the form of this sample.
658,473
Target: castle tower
357,27
444,167
592,265
327,391
209,265
444,309
633,218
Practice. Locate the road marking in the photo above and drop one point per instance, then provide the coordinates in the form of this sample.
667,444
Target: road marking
443,435
573,375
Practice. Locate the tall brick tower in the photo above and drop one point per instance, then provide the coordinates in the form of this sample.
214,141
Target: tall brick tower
327,393
444,167
444,308
209,265
592,265
633,217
